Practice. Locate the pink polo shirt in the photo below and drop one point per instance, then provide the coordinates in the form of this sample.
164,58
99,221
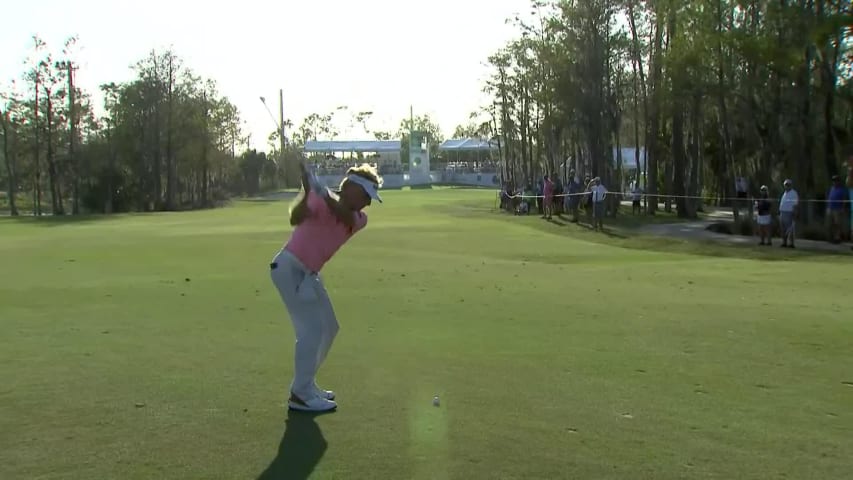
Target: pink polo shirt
320,235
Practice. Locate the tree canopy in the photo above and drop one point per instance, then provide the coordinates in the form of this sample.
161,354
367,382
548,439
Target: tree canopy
710,89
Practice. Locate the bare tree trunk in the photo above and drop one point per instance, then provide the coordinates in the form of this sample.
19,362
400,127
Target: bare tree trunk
523,124
805,171
637,146
12,184
72,127
142,199
204,159
509,152
171,173
654,122
678,122
668,180
829,70
617,184
639,73
507,172
695,185
725,175
55,192
108,206
678,161
154,86
37,147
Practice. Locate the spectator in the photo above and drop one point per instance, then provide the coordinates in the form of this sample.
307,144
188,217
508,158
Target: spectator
636,196
788,211
573,199
764,217
599,192
548,197
556,203
837,204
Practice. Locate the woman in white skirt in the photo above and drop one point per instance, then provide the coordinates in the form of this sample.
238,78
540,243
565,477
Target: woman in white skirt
764,217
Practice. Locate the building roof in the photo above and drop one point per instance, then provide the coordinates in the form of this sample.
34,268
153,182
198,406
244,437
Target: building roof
352,146
467,145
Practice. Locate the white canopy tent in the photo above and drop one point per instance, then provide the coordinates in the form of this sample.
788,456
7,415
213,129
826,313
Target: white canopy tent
476,145
385,153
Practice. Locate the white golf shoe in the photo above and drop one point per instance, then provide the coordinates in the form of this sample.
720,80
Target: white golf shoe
327,394
315,403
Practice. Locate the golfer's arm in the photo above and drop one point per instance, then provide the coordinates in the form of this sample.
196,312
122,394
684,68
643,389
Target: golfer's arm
335,207
299,212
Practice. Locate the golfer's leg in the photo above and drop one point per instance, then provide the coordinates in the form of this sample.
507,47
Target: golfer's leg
326,316
306,327
309,331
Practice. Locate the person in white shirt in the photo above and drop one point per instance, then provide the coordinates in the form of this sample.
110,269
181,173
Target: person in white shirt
788,209
636,196
598,192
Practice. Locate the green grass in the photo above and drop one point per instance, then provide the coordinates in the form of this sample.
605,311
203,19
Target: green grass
154,346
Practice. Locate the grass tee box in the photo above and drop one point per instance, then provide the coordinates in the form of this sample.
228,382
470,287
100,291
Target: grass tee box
154,346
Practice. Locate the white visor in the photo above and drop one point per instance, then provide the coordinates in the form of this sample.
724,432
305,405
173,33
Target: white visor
369,187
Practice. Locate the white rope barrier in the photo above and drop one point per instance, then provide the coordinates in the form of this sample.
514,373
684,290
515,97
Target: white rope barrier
664,196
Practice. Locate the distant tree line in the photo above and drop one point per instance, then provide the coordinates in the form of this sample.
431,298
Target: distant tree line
167,140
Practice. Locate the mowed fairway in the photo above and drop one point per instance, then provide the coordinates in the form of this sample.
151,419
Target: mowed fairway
155,346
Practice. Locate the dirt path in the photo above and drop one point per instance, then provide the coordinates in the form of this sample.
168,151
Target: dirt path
698,230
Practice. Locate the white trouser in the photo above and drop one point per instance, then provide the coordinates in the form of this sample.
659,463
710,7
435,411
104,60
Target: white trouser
313,318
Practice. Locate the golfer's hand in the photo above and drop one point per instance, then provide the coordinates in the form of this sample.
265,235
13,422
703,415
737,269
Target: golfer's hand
311,183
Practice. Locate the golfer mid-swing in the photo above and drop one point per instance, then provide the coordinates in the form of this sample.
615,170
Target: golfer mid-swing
323,222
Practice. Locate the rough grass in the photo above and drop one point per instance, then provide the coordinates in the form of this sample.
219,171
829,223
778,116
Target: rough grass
154,346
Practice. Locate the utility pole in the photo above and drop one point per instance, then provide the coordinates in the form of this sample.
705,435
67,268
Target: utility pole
281,137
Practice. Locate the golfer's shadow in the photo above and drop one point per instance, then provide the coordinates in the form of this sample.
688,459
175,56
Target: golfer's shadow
301,448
